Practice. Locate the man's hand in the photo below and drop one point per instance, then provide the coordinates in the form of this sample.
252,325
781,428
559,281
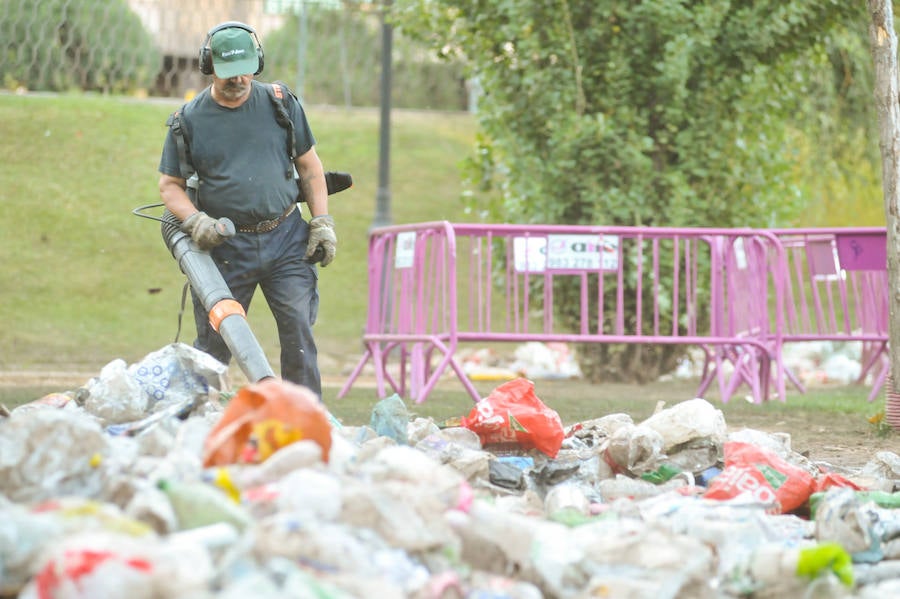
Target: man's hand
206,231
322,240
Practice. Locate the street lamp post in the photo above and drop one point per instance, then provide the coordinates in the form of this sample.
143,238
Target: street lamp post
383,196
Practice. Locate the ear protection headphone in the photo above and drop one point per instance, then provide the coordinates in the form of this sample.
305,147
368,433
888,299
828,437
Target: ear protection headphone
206,63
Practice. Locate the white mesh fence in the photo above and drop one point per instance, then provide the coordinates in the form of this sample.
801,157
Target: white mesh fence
327,50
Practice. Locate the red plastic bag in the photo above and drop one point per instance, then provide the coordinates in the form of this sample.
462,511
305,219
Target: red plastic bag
763,475
264,417
512,413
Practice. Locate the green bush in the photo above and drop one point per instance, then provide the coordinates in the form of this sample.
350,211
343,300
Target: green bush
59,45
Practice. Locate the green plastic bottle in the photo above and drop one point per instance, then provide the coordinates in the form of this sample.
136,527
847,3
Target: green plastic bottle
197,504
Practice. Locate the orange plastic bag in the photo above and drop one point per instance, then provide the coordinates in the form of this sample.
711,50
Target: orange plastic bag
512,413
762,474
264,417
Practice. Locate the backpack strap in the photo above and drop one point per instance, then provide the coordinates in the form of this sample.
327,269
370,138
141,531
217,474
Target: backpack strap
175,124
279,102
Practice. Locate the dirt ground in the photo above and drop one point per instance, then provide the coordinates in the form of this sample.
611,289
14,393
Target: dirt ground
844,441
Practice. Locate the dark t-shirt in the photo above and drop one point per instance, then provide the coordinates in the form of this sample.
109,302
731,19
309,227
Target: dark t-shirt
240,155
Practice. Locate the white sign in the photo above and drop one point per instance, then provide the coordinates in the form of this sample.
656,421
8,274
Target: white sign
530,254
566,252
405,251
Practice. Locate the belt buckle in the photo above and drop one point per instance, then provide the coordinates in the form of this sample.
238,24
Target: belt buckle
265,226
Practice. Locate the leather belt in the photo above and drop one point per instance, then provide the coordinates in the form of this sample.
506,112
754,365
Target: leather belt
267,225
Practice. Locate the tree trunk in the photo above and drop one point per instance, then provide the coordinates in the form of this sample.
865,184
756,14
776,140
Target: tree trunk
883,40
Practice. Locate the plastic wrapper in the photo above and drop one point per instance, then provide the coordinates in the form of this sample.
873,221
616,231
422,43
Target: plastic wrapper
107,565
842,518
116,396
306,493
458,451
179,374
172,380
23,535
687,421
390,418
634,449
50,453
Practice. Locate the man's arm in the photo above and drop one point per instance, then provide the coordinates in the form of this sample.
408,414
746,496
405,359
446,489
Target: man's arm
312,182
206,231
322,240
173,194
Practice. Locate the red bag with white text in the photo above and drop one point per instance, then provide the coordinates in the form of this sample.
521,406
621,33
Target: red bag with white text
512,413
760,474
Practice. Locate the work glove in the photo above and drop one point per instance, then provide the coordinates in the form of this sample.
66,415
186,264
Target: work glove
322,240
206,231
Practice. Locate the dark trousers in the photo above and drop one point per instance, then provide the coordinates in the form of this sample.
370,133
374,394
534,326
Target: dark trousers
274,262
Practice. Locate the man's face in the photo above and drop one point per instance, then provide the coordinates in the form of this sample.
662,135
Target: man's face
234,88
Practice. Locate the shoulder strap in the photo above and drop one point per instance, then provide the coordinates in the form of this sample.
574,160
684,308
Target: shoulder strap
175,123
279,93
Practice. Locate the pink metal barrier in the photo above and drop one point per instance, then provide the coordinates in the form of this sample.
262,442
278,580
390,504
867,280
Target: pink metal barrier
837,290
434,286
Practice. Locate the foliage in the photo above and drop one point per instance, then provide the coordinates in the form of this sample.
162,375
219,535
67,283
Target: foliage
343,62
642,113
834,131
880,426
58,45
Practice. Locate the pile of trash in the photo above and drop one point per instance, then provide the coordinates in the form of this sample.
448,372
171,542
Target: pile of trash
156,480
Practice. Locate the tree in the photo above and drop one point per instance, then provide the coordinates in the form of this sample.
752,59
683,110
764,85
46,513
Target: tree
343,61
651,113
883,41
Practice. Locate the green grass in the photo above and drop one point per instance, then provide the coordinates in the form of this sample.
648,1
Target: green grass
84,281
578,401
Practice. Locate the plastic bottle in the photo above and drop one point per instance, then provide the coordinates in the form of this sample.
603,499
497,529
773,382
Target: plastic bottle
197,504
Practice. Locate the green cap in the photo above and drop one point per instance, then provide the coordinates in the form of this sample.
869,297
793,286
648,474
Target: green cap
233,53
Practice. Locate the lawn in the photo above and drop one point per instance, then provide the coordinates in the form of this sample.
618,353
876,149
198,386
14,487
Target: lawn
85,281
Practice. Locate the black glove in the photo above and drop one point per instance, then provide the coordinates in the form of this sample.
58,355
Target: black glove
322,240
206,231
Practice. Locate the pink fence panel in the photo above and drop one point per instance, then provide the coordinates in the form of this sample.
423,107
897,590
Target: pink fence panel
433,286
412,308
837,290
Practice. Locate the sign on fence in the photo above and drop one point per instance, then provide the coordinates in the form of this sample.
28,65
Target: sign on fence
405,251
566,252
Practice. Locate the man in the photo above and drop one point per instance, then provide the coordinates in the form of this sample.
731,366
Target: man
240,154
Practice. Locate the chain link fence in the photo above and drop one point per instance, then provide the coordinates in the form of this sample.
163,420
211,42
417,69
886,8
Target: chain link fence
328,50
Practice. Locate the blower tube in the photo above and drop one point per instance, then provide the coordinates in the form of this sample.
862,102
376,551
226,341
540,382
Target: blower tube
225,314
